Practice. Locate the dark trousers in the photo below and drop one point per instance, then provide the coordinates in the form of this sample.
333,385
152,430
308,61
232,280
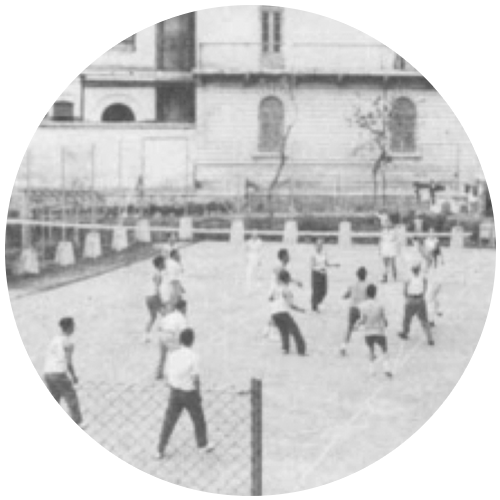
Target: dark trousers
60,386
287,327
180,400
416,306
372,341
353,317
319,285
163,348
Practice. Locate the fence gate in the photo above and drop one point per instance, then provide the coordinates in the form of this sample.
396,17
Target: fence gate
126,419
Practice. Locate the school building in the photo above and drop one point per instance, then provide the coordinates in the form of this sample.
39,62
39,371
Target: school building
212,101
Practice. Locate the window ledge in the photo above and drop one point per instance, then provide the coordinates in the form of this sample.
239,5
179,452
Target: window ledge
414,155
261,155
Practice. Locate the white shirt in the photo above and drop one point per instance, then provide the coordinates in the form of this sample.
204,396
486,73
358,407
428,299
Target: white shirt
278,297
174,270
55,360
388,243
416,285
171,325
319,262
183,368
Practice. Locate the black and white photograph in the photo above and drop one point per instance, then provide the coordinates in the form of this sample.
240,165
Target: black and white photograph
249,250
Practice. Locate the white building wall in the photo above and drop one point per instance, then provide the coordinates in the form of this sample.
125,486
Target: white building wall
324,141
67,155
121,56
230,38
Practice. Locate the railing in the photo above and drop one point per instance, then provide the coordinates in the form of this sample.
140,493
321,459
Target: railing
302,57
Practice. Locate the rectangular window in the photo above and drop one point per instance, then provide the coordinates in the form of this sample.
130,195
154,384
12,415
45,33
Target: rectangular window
175,104
63,111
127,45
271,27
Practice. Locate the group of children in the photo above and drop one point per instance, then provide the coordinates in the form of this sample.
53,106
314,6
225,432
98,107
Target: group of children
366,313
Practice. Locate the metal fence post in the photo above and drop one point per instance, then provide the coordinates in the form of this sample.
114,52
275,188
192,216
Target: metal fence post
256,437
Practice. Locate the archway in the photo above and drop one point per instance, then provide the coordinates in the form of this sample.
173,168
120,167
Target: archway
118,113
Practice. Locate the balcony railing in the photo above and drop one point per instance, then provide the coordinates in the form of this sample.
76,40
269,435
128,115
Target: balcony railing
301,58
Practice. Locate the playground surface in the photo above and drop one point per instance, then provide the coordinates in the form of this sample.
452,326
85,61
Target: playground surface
325,416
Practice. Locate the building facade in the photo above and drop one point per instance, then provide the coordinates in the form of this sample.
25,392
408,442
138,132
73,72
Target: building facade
216,99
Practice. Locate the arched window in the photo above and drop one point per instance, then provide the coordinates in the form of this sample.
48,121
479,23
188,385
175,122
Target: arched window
271,120
118,113
402,126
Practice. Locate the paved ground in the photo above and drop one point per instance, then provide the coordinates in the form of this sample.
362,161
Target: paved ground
324,416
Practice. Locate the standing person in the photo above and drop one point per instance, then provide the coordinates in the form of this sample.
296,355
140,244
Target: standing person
357,294
253,257
153,299
59,373
432,250
282,302
319,276
185,393
415,291
373,322
171,324
432,297
388,252
172,289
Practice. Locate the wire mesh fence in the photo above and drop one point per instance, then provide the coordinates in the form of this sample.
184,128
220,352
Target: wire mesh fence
126,419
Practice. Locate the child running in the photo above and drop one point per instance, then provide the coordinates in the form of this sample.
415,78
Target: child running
373,323
357,294
282,302
283,263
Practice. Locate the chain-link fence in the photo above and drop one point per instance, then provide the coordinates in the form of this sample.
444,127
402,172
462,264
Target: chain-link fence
127,419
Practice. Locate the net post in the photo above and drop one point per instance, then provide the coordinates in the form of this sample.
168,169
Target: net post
256,437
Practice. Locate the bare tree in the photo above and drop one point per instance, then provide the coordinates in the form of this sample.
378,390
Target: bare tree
375,120
280,168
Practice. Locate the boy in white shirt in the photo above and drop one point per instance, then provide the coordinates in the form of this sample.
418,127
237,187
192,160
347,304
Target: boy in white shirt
415,292
319,275
171,324
184,381
59,373
388,252
282,302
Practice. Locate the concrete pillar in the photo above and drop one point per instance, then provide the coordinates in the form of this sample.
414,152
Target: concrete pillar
487,232
290,233
457,237
28,262
419,225
186,229
237,232
345,234
65,255
92,248
143,231
120,239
